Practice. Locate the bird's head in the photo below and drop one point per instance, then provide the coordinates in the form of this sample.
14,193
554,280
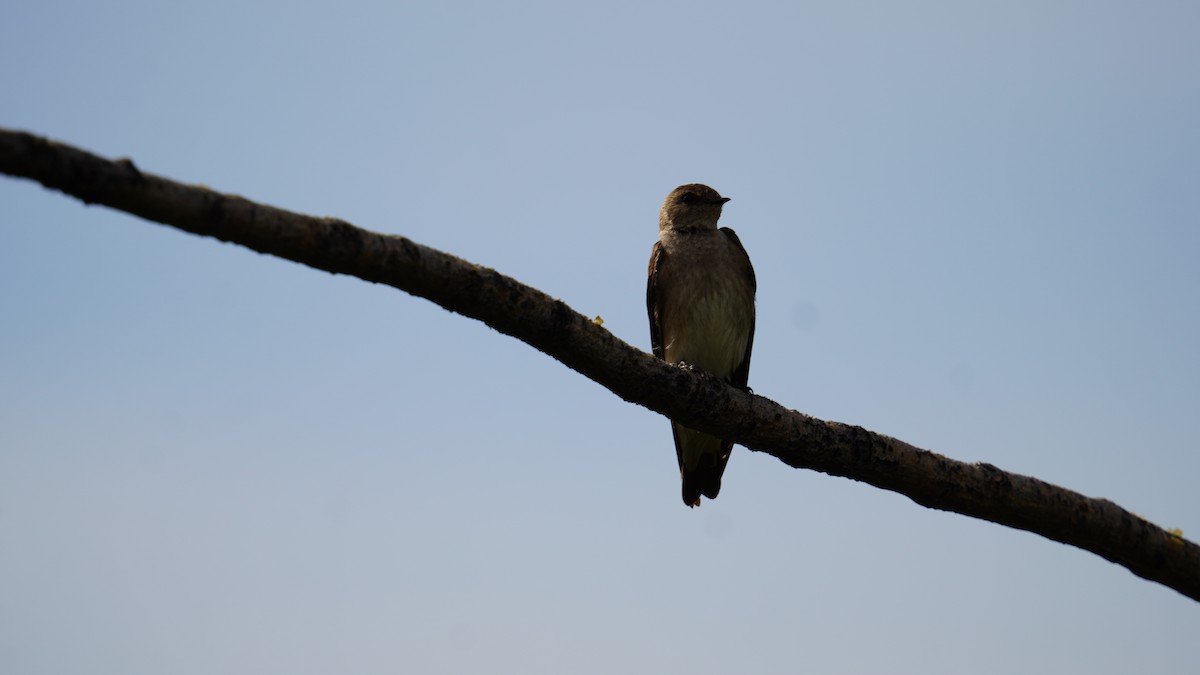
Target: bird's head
691,207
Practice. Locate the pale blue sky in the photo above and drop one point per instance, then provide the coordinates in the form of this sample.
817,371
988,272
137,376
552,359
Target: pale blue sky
974,225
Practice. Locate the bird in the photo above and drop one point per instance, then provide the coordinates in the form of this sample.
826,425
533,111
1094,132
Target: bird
700,301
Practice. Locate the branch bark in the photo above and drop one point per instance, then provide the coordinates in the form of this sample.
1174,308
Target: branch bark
549,325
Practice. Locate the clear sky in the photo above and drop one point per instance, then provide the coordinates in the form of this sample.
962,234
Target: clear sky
975,228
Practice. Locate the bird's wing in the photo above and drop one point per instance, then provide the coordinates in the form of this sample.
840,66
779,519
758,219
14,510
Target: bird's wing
741,374
654,300
654,304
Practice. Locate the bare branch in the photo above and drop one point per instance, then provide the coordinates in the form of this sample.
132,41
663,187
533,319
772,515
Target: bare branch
549,325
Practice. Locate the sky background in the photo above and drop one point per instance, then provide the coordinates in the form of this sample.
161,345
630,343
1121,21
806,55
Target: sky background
974,225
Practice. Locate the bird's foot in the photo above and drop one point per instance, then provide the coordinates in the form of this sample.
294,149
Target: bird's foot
693,369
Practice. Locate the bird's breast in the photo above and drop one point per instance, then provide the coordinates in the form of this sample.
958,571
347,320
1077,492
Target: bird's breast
708,324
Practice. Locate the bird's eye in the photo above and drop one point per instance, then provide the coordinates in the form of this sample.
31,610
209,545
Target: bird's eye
688,198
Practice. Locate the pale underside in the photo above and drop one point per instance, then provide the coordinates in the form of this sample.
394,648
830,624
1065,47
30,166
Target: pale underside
709,331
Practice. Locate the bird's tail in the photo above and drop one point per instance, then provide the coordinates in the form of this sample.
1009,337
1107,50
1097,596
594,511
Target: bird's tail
703,480
702,460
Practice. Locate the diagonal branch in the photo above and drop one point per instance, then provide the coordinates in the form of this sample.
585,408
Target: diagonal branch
549,325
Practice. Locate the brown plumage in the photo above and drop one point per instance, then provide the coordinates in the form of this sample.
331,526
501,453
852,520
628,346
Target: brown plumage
700,301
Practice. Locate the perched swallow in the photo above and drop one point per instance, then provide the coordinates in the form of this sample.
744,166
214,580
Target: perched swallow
700,298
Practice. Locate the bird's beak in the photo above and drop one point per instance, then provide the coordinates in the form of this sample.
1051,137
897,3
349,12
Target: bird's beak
723,199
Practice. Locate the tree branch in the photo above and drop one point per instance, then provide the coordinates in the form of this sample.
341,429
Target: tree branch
549,325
